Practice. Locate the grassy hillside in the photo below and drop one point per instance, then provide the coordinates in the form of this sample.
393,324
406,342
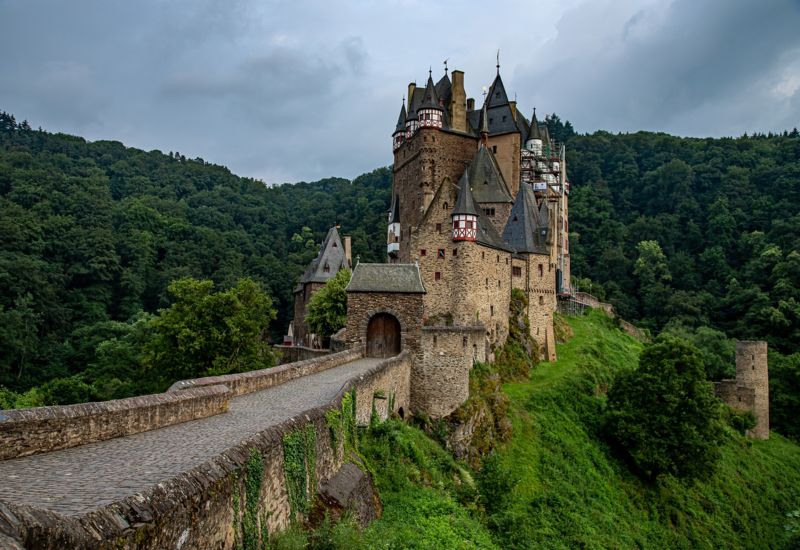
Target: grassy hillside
557,485
572,493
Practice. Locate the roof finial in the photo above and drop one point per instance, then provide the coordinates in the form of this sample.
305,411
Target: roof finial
430,71
445,66
498,61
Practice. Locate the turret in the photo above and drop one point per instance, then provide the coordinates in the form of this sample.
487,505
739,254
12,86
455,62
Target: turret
393,237
399,135
430,112
484,127
534,141
465,215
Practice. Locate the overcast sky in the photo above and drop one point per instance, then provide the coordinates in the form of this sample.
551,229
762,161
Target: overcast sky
300,90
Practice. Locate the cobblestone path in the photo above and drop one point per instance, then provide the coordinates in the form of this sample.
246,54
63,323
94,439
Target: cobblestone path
77,480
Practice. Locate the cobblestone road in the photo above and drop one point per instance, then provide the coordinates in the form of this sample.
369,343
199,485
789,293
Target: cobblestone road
77,480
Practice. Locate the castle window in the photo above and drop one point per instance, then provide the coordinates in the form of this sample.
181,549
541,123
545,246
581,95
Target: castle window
541,300
438,228
498,284
504,118
541,270
489,212
335,245
494,148
437,276
422,252
506,261
327,268
516,271
434,340
485,182
487,282
491,120
444,206
498,258
455,252
483,255
440,254
491,311
464,341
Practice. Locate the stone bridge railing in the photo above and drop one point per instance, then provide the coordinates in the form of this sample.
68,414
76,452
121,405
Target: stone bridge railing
42,429
206,506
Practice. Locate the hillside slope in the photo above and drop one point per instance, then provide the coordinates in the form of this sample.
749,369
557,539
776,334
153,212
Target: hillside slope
557,485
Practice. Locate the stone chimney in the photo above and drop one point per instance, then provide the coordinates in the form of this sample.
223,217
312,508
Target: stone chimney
411,87
348,253
471,104
458,113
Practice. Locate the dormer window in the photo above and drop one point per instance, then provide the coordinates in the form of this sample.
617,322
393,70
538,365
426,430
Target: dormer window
326,268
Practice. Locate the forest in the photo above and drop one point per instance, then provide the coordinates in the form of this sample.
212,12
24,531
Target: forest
697,237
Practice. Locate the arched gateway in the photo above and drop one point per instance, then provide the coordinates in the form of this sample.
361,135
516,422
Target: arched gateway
383,336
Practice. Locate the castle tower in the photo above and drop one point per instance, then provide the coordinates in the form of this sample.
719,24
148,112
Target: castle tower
465,216
399,135
752,374
393,238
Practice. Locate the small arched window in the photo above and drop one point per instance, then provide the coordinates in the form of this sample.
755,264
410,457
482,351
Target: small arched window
445,206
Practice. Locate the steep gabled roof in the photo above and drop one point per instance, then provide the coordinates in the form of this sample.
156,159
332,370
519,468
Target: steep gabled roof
523,229
534,132
444,89
401,120
497,93
399,278
465,203
486,179
414,102
429,99
331,254
488,236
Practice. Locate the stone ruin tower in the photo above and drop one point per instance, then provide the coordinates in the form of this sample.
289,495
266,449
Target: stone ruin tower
749,391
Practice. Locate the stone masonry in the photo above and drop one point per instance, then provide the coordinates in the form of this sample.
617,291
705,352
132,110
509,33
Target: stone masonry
749,391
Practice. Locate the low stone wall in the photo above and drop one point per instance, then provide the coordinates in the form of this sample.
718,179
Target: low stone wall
248,382
294,354
207,506
42,429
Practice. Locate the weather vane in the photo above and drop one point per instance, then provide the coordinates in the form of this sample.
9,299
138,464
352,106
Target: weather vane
445,66
498,60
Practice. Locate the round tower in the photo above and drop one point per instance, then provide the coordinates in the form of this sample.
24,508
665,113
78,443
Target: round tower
465,215
534,143
430,113
752,374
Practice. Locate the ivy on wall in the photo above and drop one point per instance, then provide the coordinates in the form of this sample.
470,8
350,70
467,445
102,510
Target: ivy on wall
251,537
299,467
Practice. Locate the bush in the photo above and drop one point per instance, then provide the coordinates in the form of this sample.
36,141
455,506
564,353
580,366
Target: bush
664,415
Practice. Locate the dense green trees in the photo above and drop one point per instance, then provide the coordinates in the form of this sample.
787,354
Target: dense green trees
327,309
664,415
92,234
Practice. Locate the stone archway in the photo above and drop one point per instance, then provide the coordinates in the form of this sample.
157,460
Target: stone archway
383,336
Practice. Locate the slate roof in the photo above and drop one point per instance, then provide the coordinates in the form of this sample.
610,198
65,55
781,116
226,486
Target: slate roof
401,120
429,99
534,133
394,212
399,278
486,179
465,203
523,231
331,254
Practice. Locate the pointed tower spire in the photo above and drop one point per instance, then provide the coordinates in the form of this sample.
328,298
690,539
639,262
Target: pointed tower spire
399,135
430,112
465,215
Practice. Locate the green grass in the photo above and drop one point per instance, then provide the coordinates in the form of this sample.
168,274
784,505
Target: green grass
569,490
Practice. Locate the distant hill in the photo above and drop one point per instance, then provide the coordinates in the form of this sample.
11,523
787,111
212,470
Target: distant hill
693,235
92,232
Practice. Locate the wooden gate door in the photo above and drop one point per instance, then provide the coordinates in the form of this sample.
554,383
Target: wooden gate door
383,336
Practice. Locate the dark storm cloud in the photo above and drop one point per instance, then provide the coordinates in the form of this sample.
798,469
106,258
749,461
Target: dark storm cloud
301,90
710,67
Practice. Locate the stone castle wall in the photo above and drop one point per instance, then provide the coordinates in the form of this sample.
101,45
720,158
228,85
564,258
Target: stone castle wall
421,166
750,389
204,507
440,381
406,308
25,432
301,300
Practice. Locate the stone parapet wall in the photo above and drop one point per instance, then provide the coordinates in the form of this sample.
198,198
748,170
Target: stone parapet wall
204,507
248,382
294,354
25,432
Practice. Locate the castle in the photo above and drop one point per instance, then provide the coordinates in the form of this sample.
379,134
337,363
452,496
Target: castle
479,207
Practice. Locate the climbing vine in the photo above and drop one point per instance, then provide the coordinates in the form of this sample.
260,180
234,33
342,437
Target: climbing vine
248,524
299,467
